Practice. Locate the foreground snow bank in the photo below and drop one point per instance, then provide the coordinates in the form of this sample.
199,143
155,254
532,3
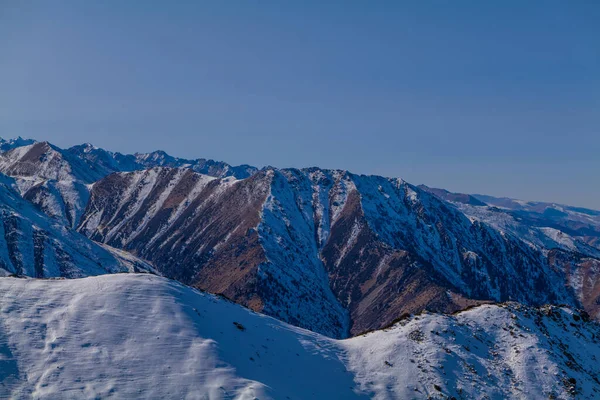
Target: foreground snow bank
142,336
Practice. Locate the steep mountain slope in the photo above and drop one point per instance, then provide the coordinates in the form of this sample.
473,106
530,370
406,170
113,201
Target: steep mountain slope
141,336
33,244
558,222
51,178
543,226
207,232
42,160
307,246
57,180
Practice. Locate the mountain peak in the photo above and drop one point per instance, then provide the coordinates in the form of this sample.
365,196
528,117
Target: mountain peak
9,144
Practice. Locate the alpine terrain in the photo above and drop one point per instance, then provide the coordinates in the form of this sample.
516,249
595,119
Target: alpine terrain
351,285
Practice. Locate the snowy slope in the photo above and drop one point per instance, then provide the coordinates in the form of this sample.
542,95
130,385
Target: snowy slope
53,179
57,180
557,225
42,160
566,236
580,223
33,244
142,336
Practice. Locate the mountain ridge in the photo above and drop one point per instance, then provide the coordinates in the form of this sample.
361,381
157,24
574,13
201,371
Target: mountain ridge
329,250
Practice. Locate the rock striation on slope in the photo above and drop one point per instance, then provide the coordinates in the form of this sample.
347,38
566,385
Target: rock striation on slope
328,250
57,180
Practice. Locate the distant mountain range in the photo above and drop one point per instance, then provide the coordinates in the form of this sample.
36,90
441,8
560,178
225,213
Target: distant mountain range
328,250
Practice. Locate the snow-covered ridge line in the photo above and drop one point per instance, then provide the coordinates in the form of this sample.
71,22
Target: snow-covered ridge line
142,336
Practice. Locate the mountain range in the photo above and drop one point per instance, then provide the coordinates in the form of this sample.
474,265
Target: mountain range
327,250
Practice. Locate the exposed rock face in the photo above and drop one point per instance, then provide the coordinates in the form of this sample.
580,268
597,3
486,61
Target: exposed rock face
583,276
376,282
301,243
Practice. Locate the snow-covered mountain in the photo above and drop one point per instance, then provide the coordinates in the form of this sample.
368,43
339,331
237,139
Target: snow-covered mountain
330,251
567,236
51,178
57,180
42,160
142,336
33,244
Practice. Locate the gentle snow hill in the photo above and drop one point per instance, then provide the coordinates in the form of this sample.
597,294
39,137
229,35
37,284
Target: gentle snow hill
142,336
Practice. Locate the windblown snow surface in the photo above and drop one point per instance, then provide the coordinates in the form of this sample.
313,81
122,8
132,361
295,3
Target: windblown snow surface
143,336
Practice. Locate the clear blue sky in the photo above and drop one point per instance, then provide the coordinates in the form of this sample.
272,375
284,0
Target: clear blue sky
496,97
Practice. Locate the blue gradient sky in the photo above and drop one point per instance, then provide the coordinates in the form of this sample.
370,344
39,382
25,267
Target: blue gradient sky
499,97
